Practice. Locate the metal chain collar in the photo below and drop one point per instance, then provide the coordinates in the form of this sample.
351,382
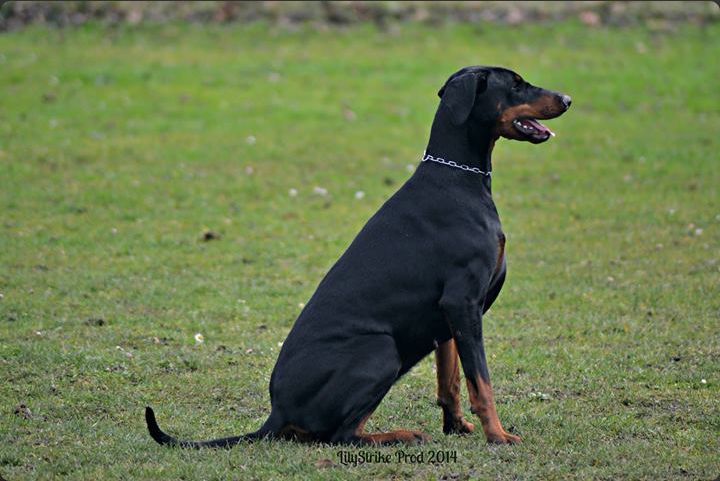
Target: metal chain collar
452,163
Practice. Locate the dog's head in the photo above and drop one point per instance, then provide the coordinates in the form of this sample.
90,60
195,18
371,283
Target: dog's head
500,100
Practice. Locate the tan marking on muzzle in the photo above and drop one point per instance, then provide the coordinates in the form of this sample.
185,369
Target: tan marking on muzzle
546,107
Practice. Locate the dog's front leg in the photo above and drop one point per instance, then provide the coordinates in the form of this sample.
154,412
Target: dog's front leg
448,389
464,316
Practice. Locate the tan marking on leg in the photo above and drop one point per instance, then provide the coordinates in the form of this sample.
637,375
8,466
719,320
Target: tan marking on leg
482,402
361,427
393,437
448,389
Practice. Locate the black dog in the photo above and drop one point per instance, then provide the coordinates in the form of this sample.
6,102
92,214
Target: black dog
417,278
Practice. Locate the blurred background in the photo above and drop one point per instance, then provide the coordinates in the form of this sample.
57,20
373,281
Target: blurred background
382,13
177,177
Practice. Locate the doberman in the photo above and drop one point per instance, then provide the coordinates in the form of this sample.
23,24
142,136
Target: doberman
418,277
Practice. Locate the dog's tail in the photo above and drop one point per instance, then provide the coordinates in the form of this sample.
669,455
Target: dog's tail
165,439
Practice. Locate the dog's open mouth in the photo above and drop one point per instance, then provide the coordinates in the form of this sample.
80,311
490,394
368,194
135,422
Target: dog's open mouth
533,130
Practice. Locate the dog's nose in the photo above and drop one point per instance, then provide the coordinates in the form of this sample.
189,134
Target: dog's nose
566,100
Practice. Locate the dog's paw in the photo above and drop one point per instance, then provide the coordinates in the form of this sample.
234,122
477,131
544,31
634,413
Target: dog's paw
458,426
412,438
503,438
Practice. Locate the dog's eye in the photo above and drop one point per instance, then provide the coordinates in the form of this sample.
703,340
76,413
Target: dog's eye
517,83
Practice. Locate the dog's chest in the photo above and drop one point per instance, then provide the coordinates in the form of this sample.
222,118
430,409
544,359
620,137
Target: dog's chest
501,251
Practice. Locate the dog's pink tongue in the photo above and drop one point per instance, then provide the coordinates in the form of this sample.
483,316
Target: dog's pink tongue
540,127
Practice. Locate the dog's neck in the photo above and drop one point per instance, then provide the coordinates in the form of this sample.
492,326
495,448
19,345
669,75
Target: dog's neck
458,144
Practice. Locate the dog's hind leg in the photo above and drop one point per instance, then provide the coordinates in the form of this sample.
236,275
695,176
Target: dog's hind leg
393,437
376,367
401,436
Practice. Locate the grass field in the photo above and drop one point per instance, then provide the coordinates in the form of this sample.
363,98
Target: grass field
120,148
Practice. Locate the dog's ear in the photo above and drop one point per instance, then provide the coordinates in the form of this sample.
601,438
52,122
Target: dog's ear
459,93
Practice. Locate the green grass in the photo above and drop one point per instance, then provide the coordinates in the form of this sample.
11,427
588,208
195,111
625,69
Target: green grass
120,147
